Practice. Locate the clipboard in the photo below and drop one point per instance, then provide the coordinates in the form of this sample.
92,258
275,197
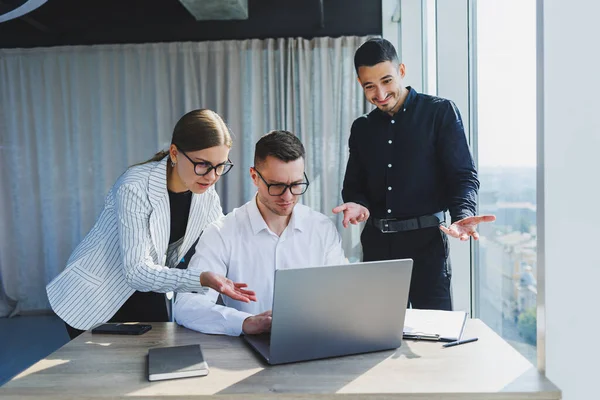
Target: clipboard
434,325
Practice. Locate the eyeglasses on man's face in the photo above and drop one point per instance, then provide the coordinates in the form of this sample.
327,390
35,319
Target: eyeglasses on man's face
278,189
202,168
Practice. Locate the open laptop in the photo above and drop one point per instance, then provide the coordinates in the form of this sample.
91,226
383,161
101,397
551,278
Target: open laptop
336,310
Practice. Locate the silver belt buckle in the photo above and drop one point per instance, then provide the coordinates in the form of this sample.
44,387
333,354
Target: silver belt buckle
385,227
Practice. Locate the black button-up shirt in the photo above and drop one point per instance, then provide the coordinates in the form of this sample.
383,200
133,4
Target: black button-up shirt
414,163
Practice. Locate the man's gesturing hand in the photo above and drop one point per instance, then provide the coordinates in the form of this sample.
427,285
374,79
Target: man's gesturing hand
466,227
353,213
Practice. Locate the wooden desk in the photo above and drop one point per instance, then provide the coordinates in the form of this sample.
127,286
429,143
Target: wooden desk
96,366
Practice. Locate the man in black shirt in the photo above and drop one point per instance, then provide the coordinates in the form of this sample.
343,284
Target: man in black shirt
409,163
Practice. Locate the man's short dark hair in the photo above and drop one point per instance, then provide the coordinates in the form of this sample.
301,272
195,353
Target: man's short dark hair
375,51
283,145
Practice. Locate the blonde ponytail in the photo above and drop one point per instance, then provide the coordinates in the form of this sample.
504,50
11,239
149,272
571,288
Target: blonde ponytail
157,157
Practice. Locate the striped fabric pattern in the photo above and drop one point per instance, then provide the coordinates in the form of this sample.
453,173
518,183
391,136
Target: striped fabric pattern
126,250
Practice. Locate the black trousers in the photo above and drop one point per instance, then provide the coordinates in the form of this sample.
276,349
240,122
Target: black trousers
140,307
428,247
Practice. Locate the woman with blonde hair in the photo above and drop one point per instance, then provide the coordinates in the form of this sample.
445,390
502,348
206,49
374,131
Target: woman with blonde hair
152,217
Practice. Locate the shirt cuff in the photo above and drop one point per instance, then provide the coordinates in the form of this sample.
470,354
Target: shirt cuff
363,203
355,198
194,281
462,214
236,321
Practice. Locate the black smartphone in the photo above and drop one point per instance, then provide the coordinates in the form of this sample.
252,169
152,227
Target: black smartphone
122,329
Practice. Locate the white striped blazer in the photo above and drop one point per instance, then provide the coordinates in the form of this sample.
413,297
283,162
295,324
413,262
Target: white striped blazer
126,249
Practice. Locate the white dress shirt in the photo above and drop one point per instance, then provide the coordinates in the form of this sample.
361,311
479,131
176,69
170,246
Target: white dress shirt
242,247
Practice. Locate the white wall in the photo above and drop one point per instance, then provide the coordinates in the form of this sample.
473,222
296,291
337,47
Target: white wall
401,23
571,154
390,25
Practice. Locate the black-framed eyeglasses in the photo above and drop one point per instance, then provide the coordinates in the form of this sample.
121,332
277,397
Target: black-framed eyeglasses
202,168
278,189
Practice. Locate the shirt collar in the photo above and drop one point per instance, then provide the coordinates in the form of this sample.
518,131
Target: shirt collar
410,99
412,95
258,224
256,220
298,220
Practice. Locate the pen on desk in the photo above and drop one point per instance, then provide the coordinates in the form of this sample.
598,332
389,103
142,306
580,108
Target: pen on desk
460,342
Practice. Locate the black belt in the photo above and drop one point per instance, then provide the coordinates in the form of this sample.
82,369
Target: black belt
393,225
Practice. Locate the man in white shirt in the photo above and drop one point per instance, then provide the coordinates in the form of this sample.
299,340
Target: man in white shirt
269,232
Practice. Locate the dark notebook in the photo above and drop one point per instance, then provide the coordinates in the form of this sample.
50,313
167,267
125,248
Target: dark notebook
176,362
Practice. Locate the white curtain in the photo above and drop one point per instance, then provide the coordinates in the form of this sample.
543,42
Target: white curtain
73,118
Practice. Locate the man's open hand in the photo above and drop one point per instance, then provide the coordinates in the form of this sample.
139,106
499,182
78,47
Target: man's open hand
466,227
353,213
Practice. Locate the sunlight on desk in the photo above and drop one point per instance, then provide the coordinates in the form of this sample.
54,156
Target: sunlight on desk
88,368
404,372
40,366
98,343
221,380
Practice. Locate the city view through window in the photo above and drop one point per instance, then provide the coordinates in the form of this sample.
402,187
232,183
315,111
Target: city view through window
506,269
